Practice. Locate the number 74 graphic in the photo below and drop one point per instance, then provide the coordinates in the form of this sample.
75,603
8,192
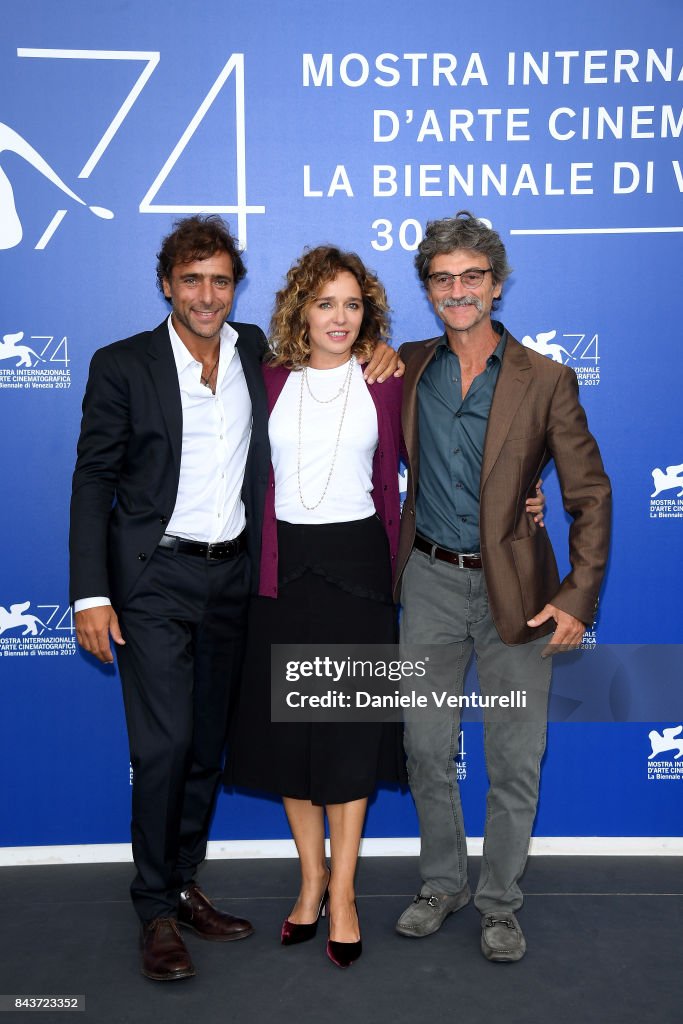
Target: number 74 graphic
234,67
589,352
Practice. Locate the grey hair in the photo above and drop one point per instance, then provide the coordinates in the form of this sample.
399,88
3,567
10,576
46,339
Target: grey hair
464,231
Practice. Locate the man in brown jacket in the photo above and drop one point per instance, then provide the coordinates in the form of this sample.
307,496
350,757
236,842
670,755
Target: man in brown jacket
482,416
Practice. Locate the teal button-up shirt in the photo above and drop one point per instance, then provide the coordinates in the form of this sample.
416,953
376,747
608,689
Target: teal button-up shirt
452,432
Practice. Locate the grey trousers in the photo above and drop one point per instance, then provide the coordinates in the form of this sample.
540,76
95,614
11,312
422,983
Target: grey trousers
448,607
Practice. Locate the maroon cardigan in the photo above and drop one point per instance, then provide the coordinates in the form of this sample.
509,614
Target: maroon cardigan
387,399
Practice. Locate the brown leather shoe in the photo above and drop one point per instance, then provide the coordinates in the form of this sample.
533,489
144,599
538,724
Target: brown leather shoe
195,912
164,956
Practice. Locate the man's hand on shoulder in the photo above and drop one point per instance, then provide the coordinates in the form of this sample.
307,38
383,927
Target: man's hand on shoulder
536,506
93,629
568,634
383,364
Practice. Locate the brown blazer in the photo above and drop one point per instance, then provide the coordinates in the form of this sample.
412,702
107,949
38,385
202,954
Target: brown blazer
535,417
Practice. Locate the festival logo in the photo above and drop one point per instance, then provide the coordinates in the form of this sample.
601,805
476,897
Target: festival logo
662,766
663,481
37,361
47,631
10,349
578,350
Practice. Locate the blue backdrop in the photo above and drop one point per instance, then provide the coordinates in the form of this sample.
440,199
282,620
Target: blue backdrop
561,125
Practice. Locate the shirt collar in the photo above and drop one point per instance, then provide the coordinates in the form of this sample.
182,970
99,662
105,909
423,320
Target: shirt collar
442,345
182,355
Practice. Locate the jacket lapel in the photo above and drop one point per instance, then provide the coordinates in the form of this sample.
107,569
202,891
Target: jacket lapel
513,381
165,380
414,370
251,365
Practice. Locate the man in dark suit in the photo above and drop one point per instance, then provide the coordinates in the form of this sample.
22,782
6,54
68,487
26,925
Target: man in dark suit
167,496
482,416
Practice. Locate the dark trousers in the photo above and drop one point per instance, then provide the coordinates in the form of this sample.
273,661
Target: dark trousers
184,626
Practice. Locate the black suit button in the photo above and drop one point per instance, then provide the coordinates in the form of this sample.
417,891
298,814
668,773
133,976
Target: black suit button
142,556
163,520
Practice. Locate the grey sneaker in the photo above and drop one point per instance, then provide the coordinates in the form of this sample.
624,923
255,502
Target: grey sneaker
428,911
502,939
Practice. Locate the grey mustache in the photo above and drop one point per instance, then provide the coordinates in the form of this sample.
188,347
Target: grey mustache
467,300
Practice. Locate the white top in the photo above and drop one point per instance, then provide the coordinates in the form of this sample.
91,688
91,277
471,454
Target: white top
348,495
216,433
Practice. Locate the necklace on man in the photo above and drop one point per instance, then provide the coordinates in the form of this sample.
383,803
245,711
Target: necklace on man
205,379
344,390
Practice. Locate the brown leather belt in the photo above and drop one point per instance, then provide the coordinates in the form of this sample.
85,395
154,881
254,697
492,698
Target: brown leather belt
463,561
212,552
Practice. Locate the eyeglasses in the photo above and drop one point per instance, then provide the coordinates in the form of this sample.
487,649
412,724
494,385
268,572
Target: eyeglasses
470,278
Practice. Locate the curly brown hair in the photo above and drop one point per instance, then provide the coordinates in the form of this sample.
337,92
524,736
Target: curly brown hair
198,238
305,279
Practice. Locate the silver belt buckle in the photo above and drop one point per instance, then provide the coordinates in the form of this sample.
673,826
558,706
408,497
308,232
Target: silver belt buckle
469,554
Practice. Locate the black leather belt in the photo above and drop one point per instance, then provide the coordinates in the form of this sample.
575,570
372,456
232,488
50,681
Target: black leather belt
464,561
212,552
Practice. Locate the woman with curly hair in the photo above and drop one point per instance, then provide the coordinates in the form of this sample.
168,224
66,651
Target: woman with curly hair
329,542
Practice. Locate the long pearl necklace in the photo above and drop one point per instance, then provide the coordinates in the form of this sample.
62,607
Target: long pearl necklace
344,390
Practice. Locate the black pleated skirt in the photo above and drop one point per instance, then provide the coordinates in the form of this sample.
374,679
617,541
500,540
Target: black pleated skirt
334,588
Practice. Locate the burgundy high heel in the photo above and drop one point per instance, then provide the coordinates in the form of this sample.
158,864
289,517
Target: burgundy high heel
294,933
343,954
